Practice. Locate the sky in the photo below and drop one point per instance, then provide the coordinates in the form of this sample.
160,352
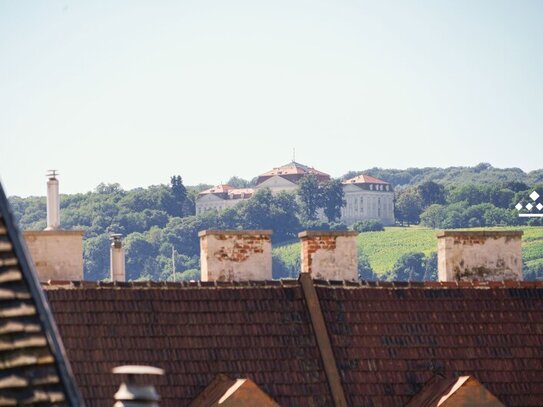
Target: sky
133,92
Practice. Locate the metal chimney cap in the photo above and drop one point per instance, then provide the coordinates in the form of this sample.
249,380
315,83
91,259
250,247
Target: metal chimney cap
52,174
137,370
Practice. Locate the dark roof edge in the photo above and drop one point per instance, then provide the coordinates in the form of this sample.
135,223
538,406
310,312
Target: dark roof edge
332,284
73,396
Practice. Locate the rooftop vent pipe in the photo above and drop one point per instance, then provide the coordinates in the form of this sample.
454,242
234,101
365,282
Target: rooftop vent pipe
53,201
132,394
117,262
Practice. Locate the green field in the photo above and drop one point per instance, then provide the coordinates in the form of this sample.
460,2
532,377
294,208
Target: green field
383,249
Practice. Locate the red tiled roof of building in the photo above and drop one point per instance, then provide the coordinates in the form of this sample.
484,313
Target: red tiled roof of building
388,342
218,189
293,171
226,190
365,179
193,332
388,339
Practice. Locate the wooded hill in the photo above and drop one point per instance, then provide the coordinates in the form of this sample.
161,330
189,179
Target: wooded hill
157,219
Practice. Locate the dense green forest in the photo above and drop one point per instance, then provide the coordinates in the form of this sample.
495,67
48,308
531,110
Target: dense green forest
159,219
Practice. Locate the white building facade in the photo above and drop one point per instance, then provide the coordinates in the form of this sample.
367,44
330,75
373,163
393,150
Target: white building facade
368,198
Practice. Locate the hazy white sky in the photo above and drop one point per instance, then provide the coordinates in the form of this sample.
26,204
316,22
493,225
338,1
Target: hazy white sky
136,91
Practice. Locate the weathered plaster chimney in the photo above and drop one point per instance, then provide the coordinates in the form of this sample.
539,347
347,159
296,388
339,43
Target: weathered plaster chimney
117,260
329,255
57,253
479,255
53,202
235,255
134,394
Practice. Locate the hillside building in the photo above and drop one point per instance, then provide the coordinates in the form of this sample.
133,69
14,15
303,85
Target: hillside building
367,198
221,197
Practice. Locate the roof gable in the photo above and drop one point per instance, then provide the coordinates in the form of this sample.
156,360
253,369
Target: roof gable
463,391
293,168
226,392
276,180
293,171
33,367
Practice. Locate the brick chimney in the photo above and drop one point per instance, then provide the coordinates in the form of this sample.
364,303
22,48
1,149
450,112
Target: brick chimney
329,255
235,255
117,261
479,255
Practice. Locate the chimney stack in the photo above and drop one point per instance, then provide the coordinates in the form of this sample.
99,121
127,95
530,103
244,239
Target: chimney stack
479,255
117,262
329,255
132,394
235,255
53,202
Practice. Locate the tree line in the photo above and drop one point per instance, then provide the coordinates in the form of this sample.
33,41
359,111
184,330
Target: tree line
160,219
452,206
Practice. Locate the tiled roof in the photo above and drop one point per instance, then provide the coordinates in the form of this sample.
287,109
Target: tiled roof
241,193
218,189
388,339
388,342
365,179
227,191
293,171
194,333
33,369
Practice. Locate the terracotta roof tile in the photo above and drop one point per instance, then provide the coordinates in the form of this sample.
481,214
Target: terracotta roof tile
293,171
398,338
259,332
388,338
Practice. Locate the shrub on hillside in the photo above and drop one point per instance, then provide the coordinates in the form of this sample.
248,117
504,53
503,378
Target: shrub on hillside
368,226
414,266
365,272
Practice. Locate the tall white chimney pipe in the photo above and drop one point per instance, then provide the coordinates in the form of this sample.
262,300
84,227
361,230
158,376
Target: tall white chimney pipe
53,202
117,258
